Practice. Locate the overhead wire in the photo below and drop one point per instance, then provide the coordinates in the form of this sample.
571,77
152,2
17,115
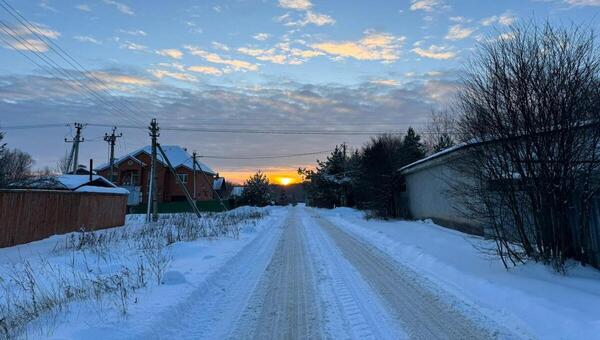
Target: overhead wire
63,55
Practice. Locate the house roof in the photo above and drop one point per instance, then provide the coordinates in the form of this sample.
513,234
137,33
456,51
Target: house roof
237,191
79,183
434,156
177,155
218,183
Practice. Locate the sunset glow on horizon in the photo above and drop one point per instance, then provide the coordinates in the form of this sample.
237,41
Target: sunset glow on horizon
281,177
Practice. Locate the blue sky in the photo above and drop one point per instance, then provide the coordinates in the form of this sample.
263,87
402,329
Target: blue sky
373,65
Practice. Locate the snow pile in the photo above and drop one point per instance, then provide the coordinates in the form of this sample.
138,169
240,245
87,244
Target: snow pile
530,299
81,284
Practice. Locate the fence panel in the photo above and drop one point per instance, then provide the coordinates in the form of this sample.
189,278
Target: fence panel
29,215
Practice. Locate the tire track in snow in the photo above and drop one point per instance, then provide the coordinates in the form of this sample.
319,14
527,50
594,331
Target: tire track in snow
423,314
213,308
284,305
351,308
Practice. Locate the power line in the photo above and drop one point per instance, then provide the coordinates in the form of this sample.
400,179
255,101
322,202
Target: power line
269,156
61,53
233,130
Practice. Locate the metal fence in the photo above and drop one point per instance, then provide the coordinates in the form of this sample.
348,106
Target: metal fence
29,215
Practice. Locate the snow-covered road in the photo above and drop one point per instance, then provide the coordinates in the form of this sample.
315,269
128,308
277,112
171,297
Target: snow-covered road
307,279
304,273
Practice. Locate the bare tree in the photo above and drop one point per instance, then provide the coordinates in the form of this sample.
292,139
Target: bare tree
531,104
442,131
17,165
62,166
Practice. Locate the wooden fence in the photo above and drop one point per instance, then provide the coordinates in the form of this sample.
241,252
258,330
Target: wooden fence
29,215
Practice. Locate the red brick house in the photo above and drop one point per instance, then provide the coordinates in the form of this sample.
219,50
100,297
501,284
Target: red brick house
132,172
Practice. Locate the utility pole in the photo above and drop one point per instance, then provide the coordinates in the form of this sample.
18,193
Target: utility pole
194,173
112,140
74,156
154,180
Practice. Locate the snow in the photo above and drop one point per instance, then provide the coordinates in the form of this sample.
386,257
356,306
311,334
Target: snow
73,182
92,188
218,183
177,155
210,282
192,262
530,298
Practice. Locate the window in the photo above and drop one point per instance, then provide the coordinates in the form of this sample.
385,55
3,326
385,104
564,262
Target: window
131,178
183,177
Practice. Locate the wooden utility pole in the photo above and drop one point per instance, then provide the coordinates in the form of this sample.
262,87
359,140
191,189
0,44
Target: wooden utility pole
191,201
74,155
194,173
112,140
211,186
154,180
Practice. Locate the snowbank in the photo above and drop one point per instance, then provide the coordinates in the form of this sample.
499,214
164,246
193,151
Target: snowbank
530,299
115,256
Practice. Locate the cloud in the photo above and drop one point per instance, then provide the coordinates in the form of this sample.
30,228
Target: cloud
26,39
435,52
118,80
40,29
121,7
373,46
387,82
171,53
506,19
281,53
368,107
458,32
87,39
299,5
133,32
133,46
84,7
219,46
425,5
205,70
236,65
160,74
44,4
309,18
583,2
31,45
261,36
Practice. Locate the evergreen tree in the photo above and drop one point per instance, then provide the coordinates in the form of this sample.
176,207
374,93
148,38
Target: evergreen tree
283,199
412,147
443,142
257,191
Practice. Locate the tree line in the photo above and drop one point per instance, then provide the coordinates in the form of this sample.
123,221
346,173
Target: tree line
367,178
528,107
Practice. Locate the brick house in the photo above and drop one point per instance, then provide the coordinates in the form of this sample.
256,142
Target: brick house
132,172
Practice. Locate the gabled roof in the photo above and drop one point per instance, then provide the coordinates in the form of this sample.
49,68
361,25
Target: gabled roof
177,155
218,183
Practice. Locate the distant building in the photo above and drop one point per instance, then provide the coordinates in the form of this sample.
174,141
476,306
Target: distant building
132,172
221,189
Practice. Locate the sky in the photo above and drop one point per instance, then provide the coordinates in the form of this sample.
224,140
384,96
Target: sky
364,67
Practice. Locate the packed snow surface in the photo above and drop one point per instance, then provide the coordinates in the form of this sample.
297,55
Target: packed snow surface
298,272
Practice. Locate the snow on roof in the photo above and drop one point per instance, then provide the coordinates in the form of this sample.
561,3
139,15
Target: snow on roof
177,155
104,190
433,156
237,191
218,183
73,182
80,183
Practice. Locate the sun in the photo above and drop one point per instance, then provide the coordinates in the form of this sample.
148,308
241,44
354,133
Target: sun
285,180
